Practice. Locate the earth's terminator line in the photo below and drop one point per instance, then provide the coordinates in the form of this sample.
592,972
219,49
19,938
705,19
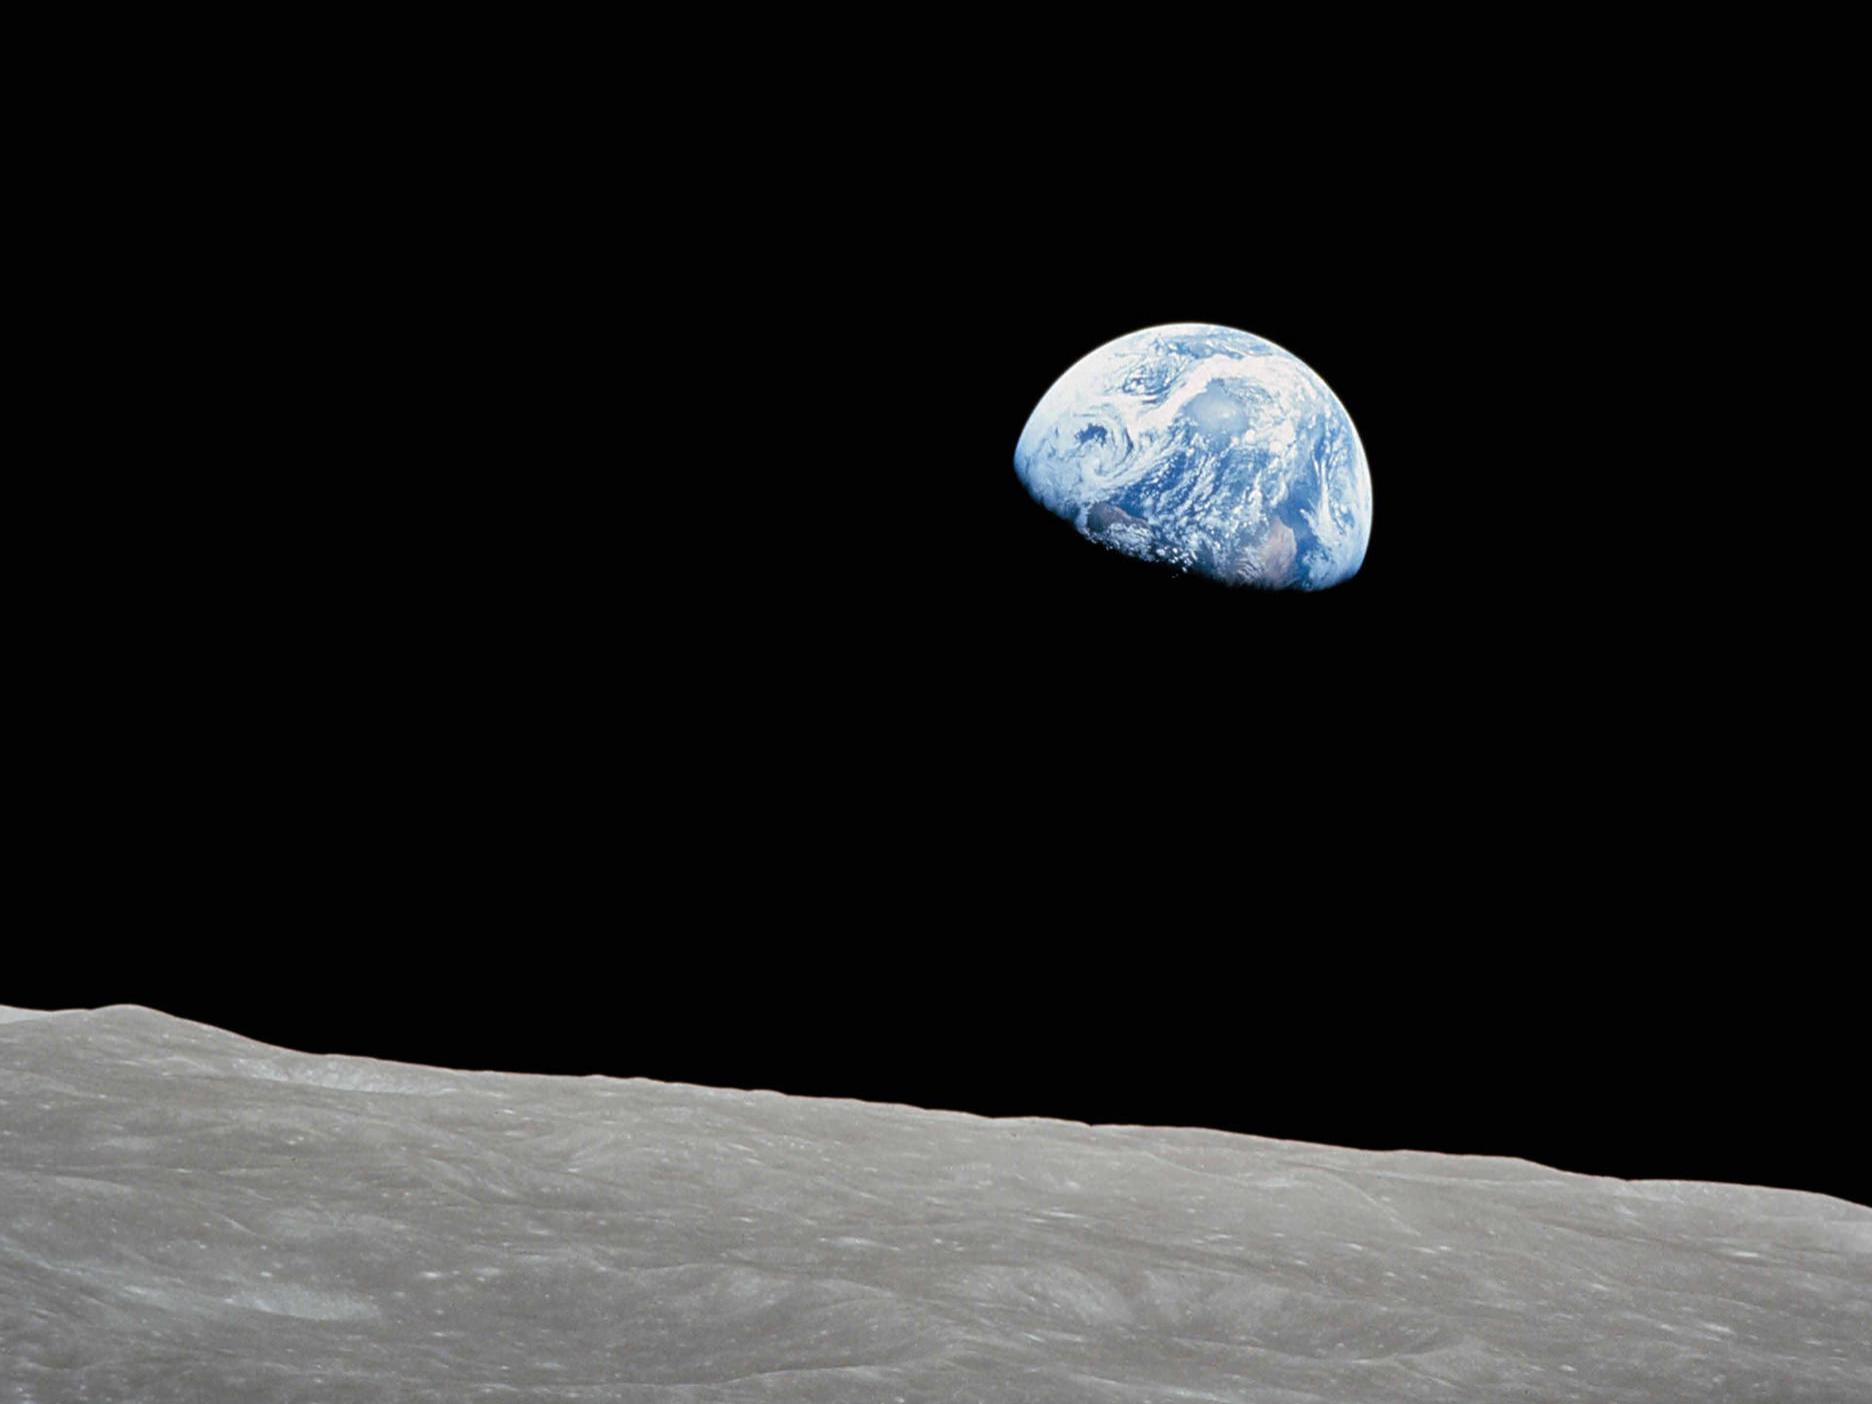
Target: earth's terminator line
1208,449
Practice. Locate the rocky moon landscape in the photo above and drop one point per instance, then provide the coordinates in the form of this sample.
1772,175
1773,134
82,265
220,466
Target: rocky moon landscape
189,1216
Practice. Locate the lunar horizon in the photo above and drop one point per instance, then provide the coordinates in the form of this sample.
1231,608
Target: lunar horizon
193,1216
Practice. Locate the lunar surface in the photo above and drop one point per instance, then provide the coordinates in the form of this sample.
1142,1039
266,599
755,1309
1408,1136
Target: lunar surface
1208,449
189,1216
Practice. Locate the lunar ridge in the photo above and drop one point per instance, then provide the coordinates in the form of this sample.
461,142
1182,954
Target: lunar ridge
188,1215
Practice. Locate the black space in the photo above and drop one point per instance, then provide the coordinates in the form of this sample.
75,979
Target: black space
574,611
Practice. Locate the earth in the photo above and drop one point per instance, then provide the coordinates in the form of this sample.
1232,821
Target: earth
1208,449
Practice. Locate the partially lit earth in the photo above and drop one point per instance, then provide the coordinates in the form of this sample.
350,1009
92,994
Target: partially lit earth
1208,449
189,1216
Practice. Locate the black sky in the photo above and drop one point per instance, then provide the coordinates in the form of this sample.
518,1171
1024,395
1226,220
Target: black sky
589,622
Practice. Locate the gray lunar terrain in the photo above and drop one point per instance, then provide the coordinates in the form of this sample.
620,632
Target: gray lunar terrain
186,1215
